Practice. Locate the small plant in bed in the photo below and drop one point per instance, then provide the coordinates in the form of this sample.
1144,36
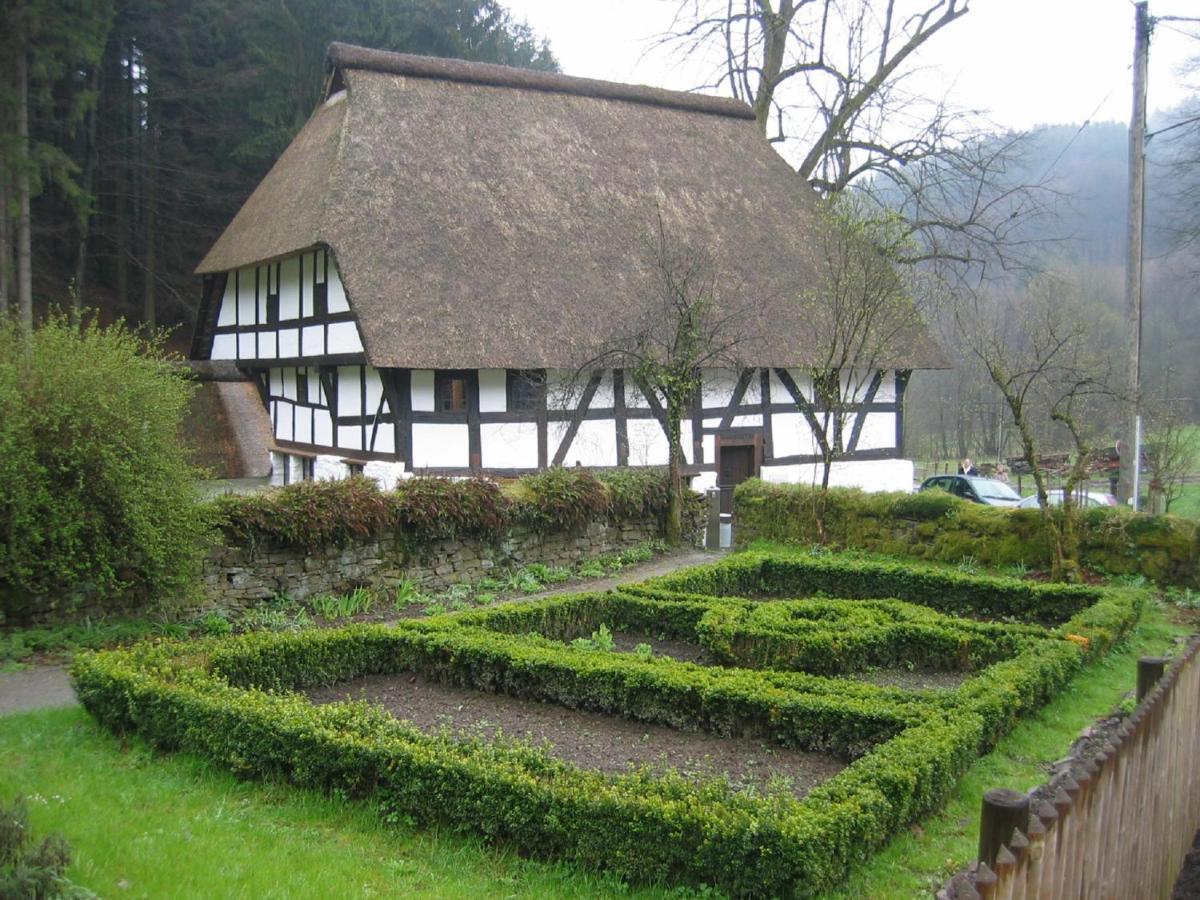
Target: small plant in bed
600,639
331,608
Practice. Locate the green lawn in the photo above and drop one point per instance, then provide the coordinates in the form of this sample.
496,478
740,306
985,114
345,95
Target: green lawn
1188,503
148,825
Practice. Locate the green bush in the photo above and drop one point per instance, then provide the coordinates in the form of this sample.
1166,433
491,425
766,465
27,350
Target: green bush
309,514
29,871
766,574
934,525
97,497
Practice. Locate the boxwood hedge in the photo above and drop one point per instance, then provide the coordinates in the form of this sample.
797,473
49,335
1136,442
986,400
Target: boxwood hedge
235,701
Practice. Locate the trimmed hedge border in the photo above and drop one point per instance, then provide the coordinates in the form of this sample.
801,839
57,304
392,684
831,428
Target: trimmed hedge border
230,700
935,526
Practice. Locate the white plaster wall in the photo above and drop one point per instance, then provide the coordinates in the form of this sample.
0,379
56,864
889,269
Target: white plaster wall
329,468
312,340
705,481
647,443
337,293
247,313
509,445
634,399
440,446
603,398
387,474
322,428
879,430
791,435
887,388
385,438
343,338
224,346
493,390
422,392
226,314
289,288
375,401
289,343
595,443
245,303
350,437
282,416
295,469
304,434
874,475
349,392
279,463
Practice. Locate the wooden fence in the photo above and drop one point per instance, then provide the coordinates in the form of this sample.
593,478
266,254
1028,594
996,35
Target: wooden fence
1116,822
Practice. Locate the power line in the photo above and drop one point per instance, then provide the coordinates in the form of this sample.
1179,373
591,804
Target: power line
1074,137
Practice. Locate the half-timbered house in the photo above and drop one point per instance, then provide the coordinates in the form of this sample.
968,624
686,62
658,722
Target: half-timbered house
426,265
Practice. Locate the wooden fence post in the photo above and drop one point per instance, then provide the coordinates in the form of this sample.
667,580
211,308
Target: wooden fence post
1003,810
1149,671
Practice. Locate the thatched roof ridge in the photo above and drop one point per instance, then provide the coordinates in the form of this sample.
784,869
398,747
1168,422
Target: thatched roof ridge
502,224
349,56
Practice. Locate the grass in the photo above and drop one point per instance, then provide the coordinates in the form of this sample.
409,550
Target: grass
146,825
1188,503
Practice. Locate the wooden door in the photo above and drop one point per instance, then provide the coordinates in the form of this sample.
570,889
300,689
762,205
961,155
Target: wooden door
734,465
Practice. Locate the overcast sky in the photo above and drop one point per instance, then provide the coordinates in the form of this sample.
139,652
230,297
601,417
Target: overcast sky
1026,62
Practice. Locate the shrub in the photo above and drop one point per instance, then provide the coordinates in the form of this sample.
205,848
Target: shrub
934,525
560,499
305,515
97,497
28,870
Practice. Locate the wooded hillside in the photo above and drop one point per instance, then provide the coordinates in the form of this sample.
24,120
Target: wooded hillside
132,130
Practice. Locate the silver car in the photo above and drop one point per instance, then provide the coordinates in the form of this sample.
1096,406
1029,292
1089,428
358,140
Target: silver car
1082,499
988,491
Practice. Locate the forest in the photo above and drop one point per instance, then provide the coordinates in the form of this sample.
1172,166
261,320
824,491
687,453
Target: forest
132,130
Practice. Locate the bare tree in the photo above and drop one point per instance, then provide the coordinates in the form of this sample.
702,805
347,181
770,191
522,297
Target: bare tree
1172,441
689,323
831,81
863,317
1037,351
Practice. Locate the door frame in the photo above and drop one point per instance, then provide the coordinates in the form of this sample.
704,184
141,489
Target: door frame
747,438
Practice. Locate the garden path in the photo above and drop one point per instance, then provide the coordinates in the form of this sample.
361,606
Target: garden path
45,686
35,688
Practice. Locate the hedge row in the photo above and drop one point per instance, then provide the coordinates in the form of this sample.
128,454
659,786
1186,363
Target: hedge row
312,514
798,574
210,698
791,710
642,827
934,525
836,636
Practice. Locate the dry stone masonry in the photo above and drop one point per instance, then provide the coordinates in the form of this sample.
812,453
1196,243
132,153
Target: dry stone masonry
237,578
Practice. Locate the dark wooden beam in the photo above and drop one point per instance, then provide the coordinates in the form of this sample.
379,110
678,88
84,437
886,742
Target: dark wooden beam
861,417
577,418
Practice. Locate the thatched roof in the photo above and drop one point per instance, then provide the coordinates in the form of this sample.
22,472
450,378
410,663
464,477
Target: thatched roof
483,216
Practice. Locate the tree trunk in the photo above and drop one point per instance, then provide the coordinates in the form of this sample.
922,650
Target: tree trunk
24,226
78,295
6,266
1062,568
674,523
150,261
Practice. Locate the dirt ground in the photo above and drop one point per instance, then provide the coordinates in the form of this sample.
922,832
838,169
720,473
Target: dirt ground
591,741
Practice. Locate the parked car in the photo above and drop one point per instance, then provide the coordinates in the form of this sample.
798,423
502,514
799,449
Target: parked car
1082,498
988,491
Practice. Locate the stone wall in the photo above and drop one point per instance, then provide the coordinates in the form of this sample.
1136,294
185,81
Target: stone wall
239,577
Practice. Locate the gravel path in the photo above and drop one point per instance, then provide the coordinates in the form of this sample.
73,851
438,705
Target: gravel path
35,689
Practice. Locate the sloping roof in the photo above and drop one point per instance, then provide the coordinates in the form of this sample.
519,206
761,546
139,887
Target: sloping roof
483,216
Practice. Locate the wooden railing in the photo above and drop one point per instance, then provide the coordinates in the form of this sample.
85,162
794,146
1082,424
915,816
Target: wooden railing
1115,823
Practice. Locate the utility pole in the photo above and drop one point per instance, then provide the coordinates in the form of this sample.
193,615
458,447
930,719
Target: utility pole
1131,431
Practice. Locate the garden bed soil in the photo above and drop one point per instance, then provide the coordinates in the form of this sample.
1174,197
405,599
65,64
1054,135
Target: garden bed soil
601,743
912,680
